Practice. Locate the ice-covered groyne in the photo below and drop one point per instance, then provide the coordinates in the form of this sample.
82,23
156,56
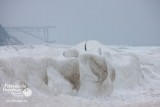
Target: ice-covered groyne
98,71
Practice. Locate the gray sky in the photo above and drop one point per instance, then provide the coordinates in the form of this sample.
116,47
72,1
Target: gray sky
112,22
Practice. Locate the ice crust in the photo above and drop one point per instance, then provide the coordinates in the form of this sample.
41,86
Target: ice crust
101,72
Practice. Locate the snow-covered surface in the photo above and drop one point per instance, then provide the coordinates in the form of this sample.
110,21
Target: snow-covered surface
104,76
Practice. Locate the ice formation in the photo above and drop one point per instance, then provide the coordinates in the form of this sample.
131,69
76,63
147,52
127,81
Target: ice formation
101,71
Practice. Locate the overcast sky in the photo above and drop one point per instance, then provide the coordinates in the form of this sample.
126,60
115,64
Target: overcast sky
112,22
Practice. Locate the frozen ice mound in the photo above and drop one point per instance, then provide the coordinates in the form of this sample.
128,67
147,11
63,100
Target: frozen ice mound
89,69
